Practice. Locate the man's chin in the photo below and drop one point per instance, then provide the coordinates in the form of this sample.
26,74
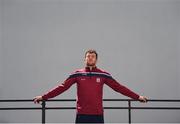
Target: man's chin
90,64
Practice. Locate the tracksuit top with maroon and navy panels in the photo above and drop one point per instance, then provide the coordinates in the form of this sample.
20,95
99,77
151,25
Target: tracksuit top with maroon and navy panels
90,89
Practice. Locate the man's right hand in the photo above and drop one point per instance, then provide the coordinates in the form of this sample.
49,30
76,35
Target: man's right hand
37,99
143,99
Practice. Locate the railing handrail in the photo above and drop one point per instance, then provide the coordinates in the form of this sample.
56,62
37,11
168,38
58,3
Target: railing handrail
43,108
66,100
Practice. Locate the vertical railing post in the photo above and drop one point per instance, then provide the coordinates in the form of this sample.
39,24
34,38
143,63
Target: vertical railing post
43,111
129,111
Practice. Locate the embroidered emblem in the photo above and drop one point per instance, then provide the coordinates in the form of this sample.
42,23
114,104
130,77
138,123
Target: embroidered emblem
98,80
83,79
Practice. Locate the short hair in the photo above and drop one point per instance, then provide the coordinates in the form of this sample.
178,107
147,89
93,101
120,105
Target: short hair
91,51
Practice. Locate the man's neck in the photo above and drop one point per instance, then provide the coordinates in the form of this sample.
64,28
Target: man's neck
91,67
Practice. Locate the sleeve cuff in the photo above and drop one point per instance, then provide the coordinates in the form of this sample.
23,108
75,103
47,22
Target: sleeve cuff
44,97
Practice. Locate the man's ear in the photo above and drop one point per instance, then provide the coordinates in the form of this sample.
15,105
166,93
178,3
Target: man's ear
96,60
84,60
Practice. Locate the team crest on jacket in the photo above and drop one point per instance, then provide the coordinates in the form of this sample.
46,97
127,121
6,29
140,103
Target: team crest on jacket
98,80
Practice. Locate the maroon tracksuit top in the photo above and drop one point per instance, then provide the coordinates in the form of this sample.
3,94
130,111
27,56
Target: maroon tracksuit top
90,89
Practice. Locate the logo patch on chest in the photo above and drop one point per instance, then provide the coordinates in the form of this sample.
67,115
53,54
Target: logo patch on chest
98,80
83,79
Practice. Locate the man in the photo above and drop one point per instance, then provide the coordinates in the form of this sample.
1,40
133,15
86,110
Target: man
90,81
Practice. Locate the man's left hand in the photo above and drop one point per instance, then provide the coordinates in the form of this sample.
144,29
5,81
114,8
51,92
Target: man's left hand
143,99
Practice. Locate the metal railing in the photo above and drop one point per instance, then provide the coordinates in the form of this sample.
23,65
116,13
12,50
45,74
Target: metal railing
129,108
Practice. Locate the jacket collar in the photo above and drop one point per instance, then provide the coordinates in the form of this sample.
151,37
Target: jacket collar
88,68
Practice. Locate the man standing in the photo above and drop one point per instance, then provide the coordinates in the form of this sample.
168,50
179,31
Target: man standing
90,81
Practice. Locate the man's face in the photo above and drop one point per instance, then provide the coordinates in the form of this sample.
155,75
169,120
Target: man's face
90,59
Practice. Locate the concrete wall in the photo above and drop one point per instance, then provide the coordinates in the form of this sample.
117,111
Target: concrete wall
42,41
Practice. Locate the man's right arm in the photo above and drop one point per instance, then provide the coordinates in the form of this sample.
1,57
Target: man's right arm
57,90
60,88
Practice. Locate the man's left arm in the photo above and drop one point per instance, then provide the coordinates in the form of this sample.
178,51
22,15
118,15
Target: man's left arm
111,82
